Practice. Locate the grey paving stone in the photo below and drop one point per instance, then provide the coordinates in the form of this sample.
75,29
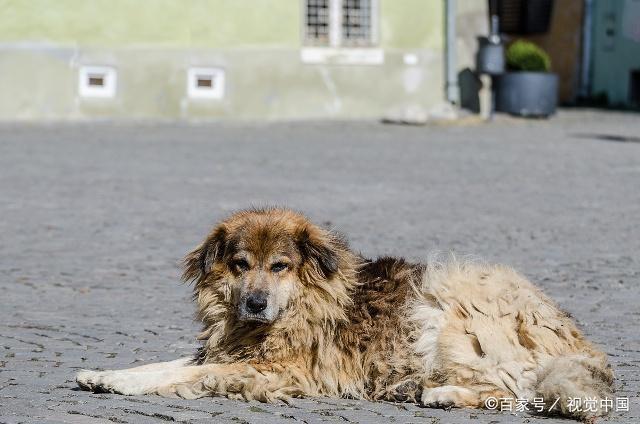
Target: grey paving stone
95,217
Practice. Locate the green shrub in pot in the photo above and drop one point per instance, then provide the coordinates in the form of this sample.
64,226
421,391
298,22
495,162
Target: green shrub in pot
528,88
525,56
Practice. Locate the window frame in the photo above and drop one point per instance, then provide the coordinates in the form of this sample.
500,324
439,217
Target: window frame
336,16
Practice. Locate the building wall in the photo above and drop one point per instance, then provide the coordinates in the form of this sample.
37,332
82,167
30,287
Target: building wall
169,23
616,48
563,42
258,43
472,21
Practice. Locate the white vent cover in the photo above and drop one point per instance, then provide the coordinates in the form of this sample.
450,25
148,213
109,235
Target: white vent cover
205,83
97,81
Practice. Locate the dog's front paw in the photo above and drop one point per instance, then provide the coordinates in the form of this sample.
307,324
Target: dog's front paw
405,391
87,380
447,397
121,382
439,402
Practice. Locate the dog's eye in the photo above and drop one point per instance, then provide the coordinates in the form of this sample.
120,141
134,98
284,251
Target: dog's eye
241,265
279,266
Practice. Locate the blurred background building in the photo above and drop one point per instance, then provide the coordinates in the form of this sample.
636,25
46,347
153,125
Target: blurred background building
223,58
594,47
284,59
615,52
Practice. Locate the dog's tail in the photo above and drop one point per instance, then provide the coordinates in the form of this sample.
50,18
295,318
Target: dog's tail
578,386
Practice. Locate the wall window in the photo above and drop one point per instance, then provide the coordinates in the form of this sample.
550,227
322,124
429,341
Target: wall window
521,16
317,22
356,22
340,23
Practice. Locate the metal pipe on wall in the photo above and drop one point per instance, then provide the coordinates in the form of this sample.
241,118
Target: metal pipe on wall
585,65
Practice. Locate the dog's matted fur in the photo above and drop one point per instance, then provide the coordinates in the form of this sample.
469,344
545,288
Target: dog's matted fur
289,310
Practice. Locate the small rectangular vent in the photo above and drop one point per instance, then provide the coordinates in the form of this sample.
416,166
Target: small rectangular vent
205,83
97,81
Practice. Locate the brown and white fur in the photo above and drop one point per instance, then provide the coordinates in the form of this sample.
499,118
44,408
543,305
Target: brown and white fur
289,310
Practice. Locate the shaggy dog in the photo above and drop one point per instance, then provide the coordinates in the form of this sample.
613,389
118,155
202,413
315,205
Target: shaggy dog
289,310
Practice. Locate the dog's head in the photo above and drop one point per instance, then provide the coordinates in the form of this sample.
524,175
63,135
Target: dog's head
257,262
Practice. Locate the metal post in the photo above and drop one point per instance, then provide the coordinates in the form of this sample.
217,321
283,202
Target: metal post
453,91
585,71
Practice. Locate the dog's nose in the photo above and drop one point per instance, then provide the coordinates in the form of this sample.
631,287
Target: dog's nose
257,302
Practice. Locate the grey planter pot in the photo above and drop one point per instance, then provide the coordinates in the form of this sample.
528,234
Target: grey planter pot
533,94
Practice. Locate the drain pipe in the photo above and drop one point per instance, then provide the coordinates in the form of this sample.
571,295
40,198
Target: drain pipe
585,74
453,91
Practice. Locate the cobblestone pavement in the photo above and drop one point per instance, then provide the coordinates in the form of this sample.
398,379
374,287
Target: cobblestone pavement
95,218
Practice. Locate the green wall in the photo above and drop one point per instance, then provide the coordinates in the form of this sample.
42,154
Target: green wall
258,43
198,23
409,24
176,23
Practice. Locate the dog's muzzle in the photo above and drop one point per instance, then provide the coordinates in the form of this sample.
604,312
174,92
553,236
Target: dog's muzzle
257,302
256,306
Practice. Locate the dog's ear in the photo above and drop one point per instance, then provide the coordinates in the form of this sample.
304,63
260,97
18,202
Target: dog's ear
198,262
321,249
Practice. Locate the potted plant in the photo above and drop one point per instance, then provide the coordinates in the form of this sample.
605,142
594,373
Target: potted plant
528,88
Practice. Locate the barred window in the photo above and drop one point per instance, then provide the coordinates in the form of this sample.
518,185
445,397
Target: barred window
317,22
356,22
336,23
